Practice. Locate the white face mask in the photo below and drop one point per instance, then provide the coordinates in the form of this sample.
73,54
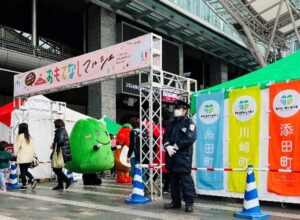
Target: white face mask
177,112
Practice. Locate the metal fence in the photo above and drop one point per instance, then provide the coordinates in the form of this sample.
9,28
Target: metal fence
29,49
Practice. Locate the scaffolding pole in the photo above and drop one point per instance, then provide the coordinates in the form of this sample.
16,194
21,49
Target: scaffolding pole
153,84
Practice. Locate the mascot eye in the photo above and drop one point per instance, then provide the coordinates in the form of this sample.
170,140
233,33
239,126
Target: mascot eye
97,133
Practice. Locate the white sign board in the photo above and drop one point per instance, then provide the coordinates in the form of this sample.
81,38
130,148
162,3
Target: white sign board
89,68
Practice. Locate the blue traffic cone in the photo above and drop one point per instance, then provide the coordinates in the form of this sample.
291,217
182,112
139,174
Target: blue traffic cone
137,196
251,208
13,178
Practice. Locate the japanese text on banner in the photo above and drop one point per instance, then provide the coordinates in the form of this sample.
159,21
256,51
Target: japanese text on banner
244,118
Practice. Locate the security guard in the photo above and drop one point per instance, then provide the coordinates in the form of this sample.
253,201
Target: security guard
178,141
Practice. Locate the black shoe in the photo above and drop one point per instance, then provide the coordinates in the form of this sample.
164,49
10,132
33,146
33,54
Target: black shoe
172,206
148,192
69,183
189,209
165,191
58,188
23,188
33,184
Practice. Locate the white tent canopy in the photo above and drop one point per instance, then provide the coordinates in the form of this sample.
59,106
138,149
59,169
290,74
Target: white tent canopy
41,128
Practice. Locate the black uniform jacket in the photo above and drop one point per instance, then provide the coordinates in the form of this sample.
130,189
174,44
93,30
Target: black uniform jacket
182,132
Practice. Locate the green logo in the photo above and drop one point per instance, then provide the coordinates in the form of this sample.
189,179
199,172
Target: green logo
286,99
244,105
208,108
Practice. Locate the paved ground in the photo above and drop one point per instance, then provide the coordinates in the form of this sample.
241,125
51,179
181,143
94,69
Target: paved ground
107,202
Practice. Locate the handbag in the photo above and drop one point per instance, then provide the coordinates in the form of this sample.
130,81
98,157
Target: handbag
35,162
57,159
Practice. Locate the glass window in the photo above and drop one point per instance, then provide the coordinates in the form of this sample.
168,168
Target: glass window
201,10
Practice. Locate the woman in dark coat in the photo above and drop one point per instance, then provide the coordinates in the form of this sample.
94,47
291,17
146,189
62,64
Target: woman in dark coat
61,142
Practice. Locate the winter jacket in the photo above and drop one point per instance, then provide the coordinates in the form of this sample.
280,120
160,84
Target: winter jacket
134,143
23,150
61,141
134,146
181,132
5,157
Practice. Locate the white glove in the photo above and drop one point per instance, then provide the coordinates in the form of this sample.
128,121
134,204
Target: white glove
171,150
118,147
176,147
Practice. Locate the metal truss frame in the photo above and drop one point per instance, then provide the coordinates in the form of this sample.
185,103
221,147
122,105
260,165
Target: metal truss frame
152,86
153,81
255,29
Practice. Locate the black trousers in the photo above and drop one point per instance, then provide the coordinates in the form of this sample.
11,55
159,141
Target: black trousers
182,184
91,179
166,181
61,177
24,172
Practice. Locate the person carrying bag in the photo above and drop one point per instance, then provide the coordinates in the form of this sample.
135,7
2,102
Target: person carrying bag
57,159
61,154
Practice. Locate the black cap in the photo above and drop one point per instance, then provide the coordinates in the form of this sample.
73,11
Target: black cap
181,104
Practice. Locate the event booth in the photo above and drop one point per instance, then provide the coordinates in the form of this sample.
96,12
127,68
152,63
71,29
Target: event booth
252,120
40,114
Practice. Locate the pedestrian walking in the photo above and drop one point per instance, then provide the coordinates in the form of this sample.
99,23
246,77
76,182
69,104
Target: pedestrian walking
61,154
24,149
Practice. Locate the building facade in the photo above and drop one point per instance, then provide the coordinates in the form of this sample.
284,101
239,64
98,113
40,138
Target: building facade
196,43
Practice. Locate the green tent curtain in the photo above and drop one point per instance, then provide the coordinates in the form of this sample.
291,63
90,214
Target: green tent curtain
112,126
283,70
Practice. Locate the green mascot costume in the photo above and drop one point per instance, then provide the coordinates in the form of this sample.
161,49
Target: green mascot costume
90,147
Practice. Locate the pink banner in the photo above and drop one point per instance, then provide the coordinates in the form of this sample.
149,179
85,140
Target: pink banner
95,66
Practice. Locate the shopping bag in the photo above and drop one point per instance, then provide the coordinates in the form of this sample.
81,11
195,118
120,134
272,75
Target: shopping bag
57,159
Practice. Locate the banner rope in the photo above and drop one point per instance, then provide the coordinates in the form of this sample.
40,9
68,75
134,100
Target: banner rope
225,169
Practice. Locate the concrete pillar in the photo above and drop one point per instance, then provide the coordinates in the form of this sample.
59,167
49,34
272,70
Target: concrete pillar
34,24
224,72
101,31
84,28
218,72
180,54
2,32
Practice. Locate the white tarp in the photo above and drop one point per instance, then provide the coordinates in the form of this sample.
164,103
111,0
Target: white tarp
4,132
41,129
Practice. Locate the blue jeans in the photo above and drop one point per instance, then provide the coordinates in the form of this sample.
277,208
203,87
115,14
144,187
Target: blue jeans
2,179
132,163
